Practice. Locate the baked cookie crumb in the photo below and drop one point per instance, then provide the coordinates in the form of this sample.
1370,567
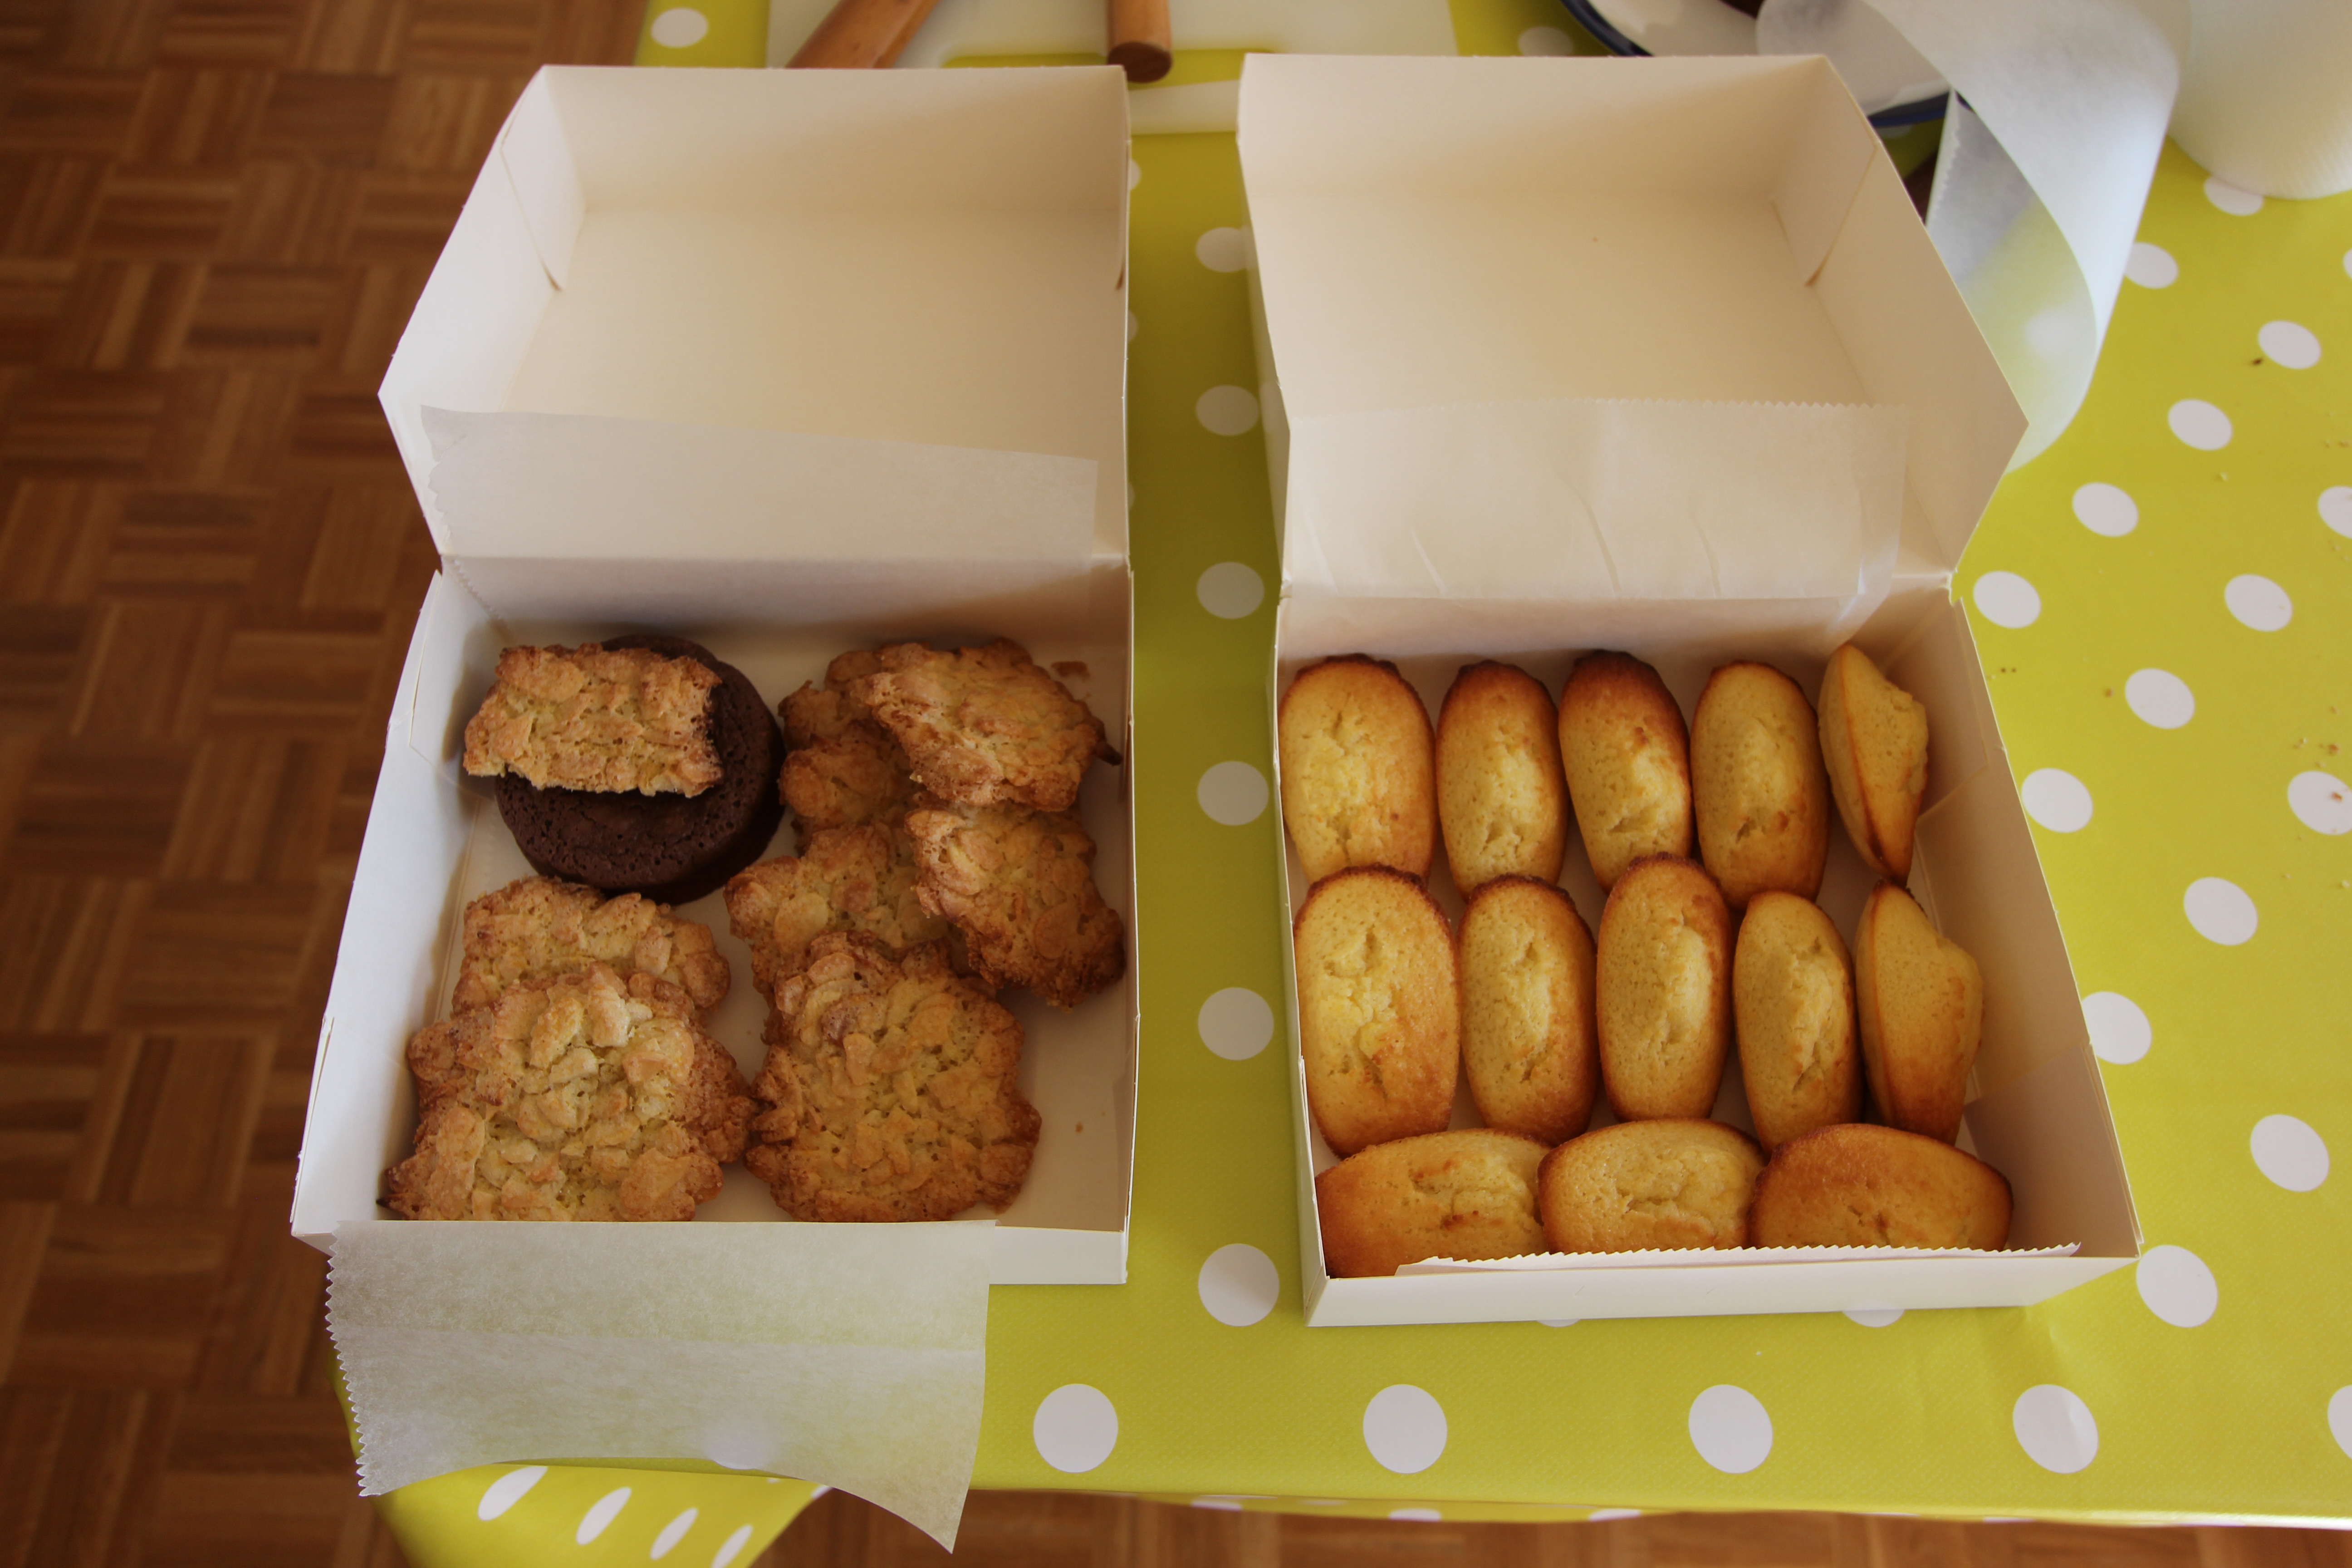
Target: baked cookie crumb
983,726
539,928
597,718
1020,885
857,879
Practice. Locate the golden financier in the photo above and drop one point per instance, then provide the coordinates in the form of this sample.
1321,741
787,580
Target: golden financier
1874,741
1921,1005
1528,1041
1627,759
1859,1186
1793,1000
1642,1184
1358,777
1501,800
1468,1193
1662,990
1756,784
1379,1010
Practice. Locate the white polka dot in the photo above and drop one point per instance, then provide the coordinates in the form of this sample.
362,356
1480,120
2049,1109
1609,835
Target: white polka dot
1134,173
2289,1152
1416,1515
2177,1286
2055,1428
1730,1429
2335,508
1235,1023
2006,599
2233,199
1560,1323
2259,603
2057,800
2340,1407
2161,698
1075,1429
730,1546
2120,1032
1229,590
1875,1314
2321,801
1223,249
1238,1285
673,1533
2220,911
1404,1428
1227,410
2289,343
605,1510
2106,509
1133,326
1546,41
1233,793
1603,1515
2200,424
680,27
507,1490
2152,266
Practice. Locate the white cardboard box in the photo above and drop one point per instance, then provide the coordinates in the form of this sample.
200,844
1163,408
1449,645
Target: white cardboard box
788,364
1654,355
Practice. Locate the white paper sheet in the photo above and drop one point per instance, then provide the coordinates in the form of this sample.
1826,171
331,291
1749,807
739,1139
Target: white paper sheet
2263,101
830,1354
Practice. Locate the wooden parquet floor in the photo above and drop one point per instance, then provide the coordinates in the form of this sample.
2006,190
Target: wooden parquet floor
215,215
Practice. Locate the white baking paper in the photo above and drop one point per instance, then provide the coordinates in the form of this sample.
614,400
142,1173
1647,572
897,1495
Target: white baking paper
2042,173
830,1354
2263,101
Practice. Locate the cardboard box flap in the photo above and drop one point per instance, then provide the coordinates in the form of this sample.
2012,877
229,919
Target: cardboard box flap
537,158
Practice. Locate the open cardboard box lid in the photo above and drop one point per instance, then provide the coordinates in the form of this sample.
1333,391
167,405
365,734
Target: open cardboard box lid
1656,355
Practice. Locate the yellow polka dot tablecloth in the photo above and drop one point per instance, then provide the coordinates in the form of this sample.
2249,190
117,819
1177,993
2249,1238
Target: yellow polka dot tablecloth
2163,603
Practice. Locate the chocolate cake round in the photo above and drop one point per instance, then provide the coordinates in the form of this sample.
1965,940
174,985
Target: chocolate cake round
672,848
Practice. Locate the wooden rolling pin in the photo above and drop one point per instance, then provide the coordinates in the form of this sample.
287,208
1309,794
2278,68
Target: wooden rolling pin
860,34
1140,41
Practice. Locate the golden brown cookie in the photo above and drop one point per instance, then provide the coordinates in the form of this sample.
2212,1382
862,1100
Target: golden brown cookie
1642,1184
1859,1186
593,718
857,879
1793,1000
1920,1003
1757,785
1662,990
845,770
1627,759
1464,1195
984,726
1528,1040
890,1092
1874,744
1358,785
1020,886
583,1097
1502,802
1379,1012
538,927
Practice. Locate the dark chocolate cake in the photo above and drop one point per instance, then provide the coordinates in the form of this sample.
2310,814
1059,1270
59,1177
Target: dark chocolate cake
670,847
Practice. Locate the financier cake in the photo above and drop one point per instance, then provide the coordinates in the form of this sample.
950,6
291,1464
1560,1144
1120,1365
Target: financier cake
890,1091
1644,1185
1860,1186
538,927
1627,759
1527,1042
1357,774
1757,785
673,848
1874,741
1662,990
1792,1001
1502,802
1469,1193
1379,1010
1920,1003
587,1096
